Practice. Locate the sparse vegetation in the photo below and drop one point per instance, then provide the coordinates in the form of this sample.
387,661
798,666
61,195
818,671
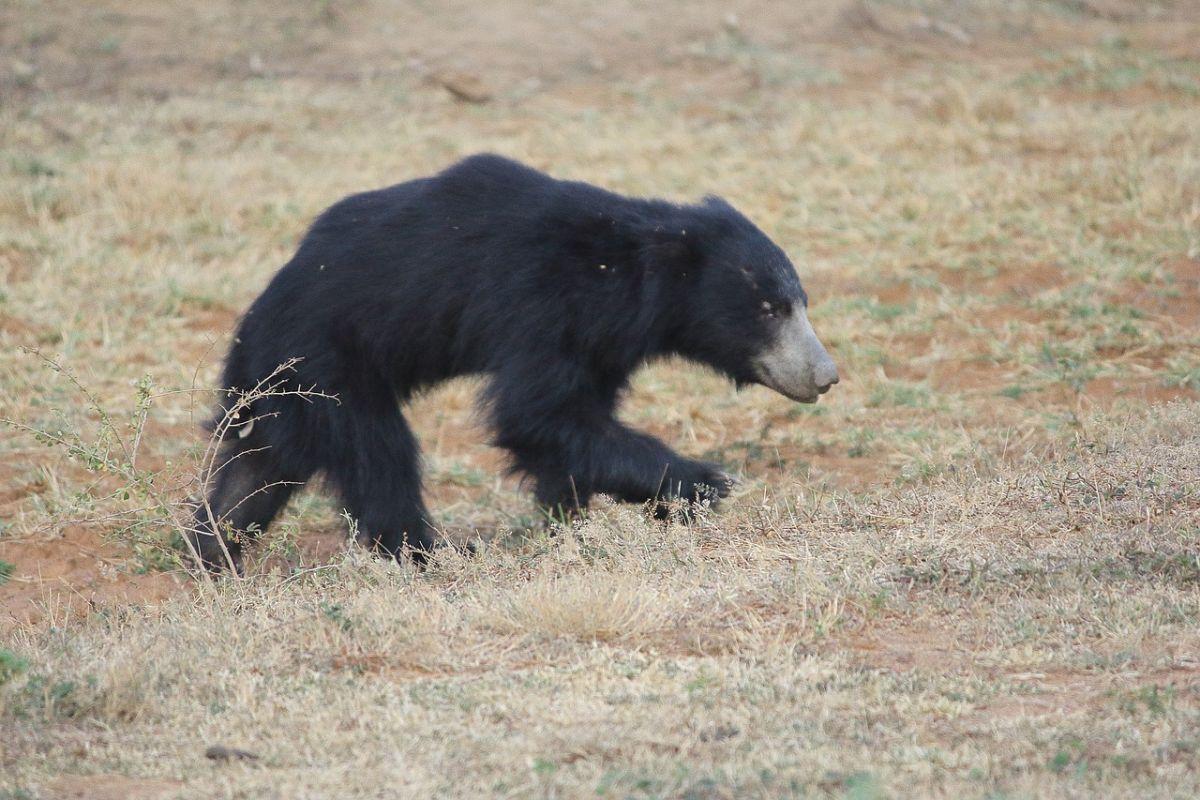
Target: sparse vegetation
972,571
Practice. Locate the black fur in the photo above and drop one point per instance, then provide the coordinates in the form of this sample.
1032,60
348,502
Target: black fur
556,291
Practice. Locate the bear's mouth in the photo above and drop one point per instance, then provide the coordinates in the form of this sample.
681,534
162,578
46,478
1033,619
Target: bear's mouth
767,379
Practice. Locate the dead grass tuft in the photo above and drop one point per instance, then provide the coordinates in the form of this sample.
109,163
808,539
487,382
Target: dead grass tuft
598,606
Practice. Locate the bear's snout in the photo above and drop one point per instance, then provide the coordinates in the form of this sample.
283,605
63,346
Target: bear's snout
796,364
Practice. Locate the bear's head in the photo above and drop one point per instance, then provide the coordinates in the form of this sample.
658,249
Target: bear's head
742,309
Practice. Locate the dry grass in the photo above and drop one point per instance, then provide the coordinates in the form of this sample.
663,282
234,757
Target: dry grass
973,572
1032,632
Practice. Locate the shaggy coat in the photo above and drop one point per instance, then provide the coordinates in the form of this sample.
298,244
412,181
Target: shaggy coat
556,291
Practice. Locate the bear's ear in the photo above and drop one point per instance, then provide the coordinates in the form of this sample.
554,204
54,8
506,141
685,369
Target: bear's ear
718,203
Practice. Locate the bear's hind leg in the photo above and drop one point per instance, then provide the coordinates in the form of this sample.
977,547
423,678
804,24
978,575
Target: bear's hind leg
248,489
376,471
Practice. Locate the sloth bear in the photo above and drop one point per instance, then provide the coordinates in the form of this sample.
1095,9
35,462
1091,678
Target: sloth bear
556,291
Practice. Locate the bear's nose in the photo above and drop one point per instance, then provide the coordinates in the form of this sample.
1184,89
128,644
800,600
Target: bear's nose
825,387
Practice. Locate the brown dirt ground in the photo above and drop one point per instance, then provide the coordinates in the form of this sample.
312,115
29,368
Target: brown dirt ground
109,787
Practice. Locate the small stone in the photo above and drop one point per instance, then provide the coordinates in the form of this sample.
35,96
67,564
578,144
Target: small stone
464,86
219,752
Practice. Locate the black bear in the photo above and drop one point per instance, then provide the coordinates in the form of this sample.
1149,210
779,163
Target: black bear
555,290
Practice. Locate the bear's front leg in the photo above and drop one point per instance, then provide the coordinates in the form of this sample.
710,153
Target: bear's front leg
693,482
561,430
637,468
570,462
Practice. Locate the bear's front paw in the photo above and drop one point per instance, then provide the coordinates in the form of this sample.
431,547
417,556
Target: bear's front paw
691,484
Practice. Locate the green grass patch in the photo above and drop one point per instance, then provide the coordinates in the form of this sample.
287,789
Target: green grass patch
899,394
11,665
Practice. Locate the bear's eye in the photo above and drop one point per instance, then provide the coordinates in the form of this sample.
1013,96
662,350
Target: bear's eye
769,311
